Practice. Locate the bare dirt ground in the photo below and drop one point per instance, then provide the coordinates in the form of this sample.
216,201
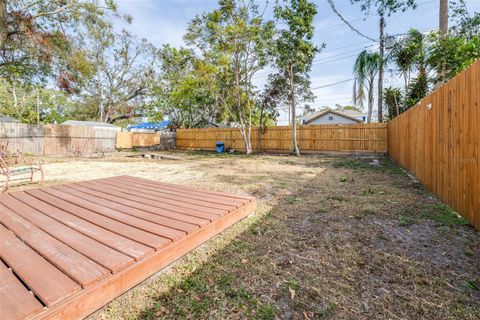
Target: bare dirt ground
334,237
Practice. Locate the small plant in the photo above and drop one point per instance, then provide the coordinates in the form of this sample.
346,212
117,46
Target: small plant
294,200
327,310
350,163
343,179
471,285
322,209
266,311
405,221
445,216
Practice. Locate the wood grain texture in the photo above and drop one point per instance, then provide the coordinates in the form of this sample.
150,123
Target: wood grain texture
16,301
311,138
438,140
47,282
78,267
132,205
76,233
77,250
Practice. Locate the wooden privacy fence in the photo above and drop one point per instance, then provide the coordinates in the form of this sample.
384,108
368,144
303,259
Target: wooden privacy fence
56,139
159,140
438,140
357,137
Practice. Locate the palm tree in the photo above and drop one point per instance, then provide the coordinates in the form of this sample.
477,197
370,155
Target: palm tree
365,70
408,54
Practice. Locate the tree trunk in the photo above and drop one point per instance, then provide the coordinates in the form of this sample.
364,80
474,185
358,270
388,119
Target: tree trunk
405,79
101,104
443,18
370,101
14,93
382,67
259,140
3,23
246,140
38,106
443,29
397,108
295,149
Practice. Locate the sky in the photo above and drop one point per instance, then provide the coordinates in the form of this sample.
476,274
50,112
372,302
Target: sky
165,21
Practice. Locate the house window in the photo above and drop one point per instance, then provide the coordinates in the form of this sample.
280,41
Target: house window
330,118
364,118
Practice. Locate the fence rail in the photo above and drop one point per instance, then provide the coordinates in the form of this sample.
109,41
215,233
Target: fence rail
438,140
358,137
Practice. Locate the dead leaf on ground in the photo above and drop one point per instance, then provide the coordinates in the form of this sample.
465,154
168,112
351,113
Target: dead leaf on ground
292,293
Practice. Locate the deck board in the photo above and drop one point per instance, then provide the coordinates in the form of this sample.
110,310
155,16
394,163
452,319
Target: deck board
77,246
128,191
186,194
147,226
181,215
196,212
203,203
164,221
80,241
16,302
108,223
84,271
49,283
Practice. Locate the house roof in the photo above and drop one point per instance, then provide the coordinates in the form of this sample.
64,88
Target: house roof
7,119
353,113
349,114
89,123
151,125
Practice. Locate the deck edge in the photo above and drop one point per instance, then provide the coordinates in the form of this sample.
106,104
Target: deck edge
98,295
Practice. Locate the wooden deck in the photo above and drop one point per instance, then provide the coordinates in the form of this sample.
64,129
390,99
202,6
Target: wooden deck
67,250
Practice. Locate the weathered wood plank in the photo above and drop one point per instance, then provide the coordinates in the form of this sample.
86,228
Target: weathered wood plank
102,254
16,301
47,282
76,266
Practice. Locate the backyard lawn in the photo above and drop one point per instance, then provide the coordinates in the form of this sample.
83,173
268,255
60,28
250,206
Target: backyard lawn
334,237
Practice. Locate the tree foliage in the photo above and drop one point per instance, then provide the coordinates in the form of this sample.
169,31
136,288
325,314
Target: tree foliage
235,38
188,89
384,7
22,101
393,102
121,84
365,69
37,37
293,53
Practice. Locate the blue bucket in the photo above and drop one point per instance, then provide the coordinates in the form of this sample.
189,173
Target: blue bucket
220,147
